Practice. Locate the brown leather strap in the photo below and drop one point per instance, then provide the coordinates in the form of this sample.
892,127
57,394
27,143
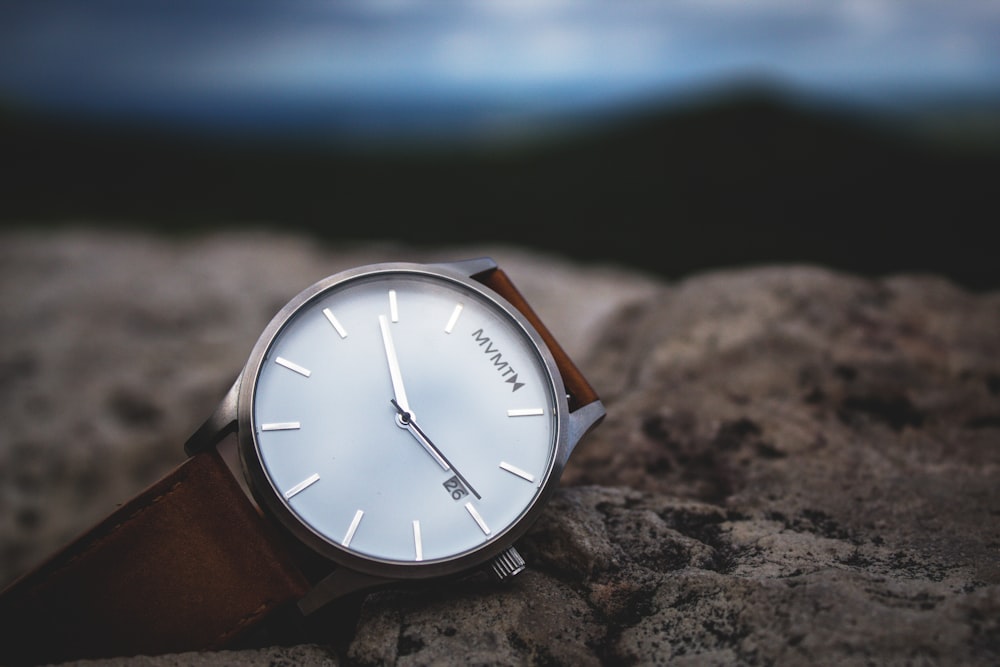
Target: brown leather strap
579,390
188,564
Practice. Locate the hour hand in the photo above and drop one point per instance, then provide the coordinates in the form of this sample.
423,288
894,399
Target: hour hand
394,374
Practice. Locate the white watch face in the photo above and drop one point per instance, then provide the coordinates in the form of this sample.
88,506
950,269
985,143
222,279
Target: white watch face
404,418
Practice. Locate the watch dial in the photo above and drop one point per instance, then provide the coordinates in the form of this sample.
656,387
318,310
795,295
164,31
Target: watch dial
404,417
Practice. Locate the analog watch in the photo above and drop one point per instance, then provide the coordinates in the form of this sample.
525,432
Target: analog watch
393,422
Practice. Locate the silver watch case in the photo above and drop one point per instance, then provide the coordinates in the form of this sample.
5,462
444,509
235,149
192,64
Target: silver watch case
235,413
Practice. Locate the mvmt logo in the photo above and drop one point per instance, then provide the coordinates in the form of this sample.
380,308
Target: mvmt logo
503,367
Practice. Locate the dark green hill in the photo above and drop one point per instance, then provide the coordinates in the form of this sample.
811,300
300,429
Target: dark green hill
744,179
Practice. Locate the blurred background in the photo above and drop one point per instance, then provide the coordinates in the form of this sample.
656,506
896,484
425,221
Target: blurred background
670,137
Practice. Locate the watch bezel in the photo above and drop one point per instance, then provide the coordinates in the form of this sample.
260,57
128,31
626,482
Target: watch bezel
268,498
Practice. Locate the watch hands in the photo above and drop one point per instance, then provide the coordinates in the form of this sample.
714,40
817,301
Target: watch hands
407,419
402,405
394,373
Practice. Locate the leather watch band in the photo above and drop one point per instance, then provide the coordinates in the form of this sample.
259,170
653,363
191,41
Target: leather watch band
188,564
579,390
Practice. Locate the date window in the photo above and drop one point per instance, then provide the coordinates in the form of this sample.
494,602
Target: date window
455,487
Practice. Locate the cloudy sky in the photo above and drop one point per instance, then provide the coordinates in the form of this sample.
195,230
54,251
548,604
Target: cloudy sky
379,63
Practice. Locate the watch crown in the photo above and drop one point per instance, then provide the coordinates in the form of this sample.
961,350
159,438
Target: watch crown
507,564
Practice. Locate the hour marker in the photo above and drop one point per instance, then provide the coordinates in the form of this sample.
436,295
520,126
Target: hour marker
417,544
525,412
353,527
475,515
302,486
514,470
393,308
335,322
281,361
281,426
454,318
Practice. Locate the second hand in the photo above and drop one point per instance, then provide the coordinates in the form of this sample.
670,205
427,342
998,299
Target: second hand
410,423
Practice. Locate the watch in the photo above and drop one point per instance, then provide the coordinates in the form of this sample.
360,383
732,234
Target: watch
394,422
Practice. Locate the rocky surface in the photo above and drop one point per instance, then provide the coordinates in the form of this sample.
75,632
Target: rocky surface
798,466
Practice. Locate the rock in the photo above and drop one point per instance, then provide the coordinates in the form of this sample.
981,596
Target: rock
304,655
864,411
798,466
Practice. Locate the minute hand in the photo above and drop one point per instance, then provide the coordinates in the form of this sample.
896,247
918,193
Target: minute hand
418,433
402,405
394,373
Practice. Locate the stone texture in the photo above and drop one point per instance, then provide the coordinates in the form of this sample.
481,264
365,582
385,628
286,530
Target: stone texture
798,466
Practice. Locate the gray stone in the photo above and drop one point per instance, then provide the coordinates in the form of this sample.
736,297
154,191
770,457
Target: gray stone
798,466
304,655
